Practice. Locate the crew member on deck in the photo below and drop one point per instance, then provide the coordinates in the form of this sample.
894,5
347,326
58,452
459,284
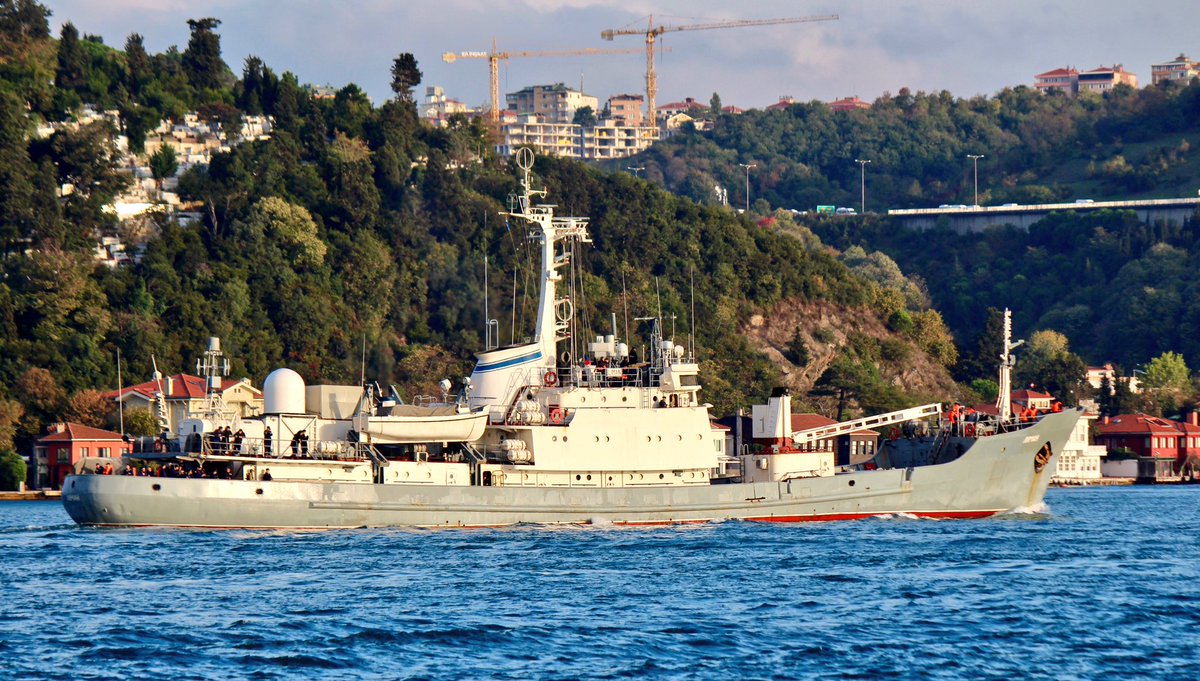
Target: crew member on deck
267,440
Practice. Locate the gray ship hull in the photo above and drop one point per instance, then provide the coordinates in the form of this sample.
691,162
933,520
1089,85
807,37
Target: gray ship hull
996,474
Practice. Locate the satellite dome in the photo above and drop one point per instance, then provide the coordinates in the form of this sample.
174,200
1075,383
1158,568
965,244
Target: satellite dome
283,393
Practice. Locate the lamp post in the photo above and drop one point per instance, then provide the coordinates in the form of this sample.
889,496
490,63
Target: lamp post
975,158
748,166
863,181
635,169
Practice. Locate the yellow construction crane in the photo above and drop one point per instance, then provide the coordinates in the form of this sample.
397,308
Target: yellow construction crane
494,58
652,32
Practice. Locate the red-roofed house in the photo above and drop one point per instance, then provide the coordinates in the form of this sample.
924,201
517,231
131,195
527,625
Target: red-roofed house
1062,80
185,394
849,104
66,445
784,102
1032,398
1104,78
1163,446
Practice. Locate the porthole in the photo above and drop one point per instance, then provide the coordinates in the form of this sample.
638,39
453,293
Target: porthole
699,436
156,487
582,400
647,438
624,398
660,476
554,438
589,477
576,476
659,437
679,437
258,491
564,438
595,438
851,483
610,478
603,399
606,438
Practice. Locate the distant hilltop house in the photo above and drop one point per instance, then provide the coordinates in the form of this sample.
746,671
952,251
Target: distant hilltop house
1180,68
849,104
185,394
543,118
1164,448
438,108
1070,80
56,454
1096,376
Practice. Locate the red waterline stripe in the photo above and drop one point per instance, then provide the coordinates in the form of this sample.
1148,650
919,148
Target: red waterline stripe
862,516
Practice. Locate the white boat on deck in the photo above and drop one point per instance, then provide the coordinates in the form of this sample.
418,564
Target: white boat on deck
411,424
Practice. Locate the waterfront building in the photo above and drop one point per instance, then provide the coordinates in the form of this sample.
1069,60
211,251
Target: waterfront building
1178,69
1162,446
1080,461
184,394
56,454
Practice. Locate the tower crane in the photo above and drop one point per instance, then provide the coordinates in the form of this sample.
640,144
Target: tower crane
495,57
652,32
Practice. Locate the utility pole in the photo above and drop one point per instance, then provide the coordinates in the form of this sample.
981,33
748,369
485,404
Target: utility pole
863,181
975,158
748,166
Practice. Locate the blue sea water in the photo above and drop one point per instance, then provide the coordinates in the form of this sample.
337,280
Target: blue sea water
1103,585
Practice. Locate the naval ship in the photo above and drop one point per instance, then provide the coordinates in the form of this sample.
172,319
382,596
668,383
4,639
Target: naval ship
537,436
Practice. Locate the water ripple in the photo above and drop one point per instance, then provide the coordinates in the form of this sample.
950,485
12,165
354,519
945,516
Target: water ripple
1099,584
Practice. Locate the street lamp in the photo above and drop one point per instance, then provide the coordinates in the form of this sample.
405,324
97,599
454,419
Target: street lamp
863,181
635,169
748,166
975,158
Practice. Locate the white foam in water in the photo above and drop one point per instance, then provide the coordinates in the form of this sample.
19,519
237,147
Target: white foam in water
896,516
600,522
1040,508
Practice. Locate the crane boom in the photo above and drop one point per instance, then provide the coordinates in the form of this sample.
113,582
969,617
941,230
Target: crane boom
494,58
652,32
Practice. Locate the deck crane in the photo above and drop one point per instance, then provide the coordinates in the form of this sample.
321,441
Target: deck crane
652,32
495,57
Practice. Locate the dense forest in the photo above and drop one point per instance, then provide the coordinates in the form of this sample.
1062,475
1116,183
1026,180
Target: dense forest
355,226
1036,148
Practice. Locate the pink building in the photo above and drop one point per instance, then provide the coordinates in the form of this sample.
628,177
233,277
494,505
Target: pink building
626,110
1104,78
849,104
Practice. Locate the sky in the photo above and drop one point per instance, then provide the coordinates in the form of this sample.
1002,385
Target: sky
968,47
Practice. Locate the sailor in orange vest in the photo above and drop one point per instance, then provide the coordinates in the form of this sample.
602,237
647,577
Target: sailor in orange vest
1056,407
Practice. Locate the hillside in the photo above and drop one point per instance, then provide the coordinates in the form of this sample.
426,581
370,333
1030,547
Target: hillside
1037,148
354,225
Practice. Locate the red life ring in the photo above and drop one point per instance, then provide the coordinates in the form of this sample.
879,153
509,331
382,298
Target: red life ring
556,416
894,434
550,378
970,430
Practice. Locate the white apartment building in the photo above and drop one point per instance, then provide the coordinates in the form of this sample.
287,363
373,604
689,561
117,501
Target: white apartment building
555,103
1079,461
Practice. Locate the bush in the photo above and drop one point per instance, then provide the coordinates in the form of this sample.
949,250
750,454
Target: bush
797,350
900,321
12,470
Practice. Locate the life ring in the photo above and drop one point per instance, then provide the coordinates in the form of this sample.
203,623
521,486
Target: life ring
894,434
970,430
550,378
556,416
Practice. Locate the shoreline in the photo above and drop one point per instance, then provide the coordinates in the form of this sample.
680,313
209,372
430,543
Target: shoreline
32,495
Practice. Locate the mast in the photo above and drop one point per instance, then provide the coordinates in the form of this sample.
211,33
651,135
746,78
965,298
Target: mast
1004,399
554,314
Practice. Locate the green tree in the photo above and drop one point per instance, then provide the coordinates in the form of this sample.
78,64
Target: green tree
714,105
24,20
1049,364
585,116
140,422
292,226
1167,372
12,470
163,164
202,59
405,76
138,64
72,72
